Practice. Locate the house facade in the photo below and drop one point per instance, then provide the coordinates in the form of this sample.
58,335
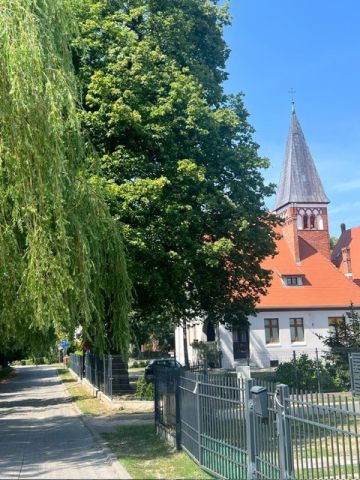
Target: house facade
311,289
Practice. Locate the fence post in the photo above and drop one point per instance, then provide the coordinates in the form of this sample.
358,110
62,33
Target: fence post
198,416
177,409
96,372
110,377
156,398
295,371
250,430
317,370
82,366
284,432
351,374
104,374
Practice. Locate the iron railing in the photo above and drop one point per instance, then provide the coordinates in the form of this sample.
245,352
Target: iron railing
76,364
298,436
325,435
98,372
107,373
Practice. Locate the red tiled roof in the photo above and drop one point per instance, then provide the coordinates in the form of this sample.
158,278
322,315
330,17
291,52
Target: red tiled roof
349,238
324,285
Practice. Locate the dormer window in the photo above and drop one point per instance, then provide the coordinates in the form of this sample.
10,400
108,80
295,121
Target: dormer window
293,280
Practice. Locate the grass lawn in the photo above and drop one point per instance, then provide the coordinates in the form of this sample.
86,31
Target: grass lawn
87,404
6,373
136,369
146,456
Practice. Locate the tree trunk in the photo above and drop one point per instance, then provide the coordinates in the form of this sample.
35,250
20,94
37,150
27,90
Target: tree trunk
186,352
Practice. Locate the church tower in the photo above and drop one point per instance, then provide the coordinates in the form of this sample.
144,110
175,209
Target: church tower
301,200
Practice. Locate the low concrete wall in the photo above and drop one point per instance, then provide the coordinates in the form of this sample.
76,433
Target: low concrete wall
135,406
167,435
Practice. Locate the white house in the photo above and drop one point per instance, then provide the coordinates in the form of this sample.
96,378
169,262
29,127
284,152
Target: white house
310,292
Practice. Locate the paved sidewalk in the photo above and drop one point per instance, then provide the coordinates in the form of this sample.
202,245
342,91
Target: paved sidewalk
41,433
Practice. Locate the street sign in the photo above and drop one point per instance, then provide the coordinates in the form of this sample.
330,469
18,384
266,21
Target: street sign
64,344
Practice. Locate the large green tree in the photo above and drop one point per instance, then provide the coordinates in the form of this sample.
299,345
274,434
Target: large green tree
179,164
61,255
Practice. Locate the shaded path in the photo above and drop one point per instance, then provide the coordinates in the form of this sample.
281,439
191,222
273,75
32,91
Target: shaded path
42,435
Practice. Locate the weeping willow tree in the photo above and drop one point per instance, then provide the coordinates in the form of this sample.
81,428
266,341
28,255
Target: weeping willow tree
61,256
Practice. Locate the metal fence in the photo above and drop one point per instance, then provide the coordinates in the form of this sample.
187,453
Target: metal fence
107,373
219,422
354,364
76,364
98,371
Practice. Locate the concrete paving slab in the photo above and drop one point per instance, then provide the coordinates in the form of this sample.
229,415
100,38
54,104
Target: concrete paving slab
42,434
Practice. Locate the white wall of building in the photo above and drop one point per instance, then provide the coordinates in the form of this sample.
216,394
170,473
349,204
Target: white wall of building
226,346
194,332
316,322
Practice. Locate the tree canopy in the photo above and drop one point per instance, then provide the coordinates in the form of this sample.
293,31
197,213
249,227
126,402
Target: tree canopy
61,255
179,165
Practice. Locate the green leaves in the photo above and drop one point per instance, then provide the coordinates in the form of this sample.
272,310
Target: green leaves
179,165
61,255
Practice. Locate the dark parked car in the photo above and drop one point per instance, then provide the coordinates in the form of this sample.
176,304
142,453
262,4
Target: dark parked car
161,362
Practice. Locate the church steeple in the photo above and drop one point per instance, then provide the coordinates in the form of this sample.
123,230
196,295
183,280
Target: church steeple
299,181
301,200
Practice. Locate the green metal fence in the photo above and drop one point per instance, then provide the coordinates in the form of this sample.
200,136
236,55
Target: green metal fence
300,436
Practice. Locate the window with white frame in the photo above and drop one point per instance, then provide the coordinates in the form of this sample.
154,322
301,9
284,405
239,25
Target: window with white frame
297,329
292,280
271,330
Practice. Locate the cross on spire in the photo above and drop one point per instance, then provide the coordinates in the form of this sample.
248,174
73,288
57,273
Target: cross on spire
292,93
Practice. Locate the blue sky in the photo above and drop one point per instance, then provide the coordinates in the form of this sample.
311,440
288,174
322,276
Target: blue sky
312,46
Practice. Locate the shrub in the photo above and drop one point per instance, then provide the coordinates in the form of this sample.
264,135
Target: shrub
144,391
143,364
304,374
135,364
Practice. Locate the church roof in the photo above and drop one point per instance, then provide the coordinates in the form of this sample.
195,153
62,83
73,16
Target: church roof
299,181
324,286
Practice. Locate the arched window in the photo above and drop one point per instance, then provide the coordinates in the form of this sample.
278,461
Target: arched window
312,221
299,221
305,221
319,223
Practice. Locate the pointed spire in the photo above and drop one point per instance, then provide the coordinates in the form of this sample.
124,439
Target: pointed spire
299,181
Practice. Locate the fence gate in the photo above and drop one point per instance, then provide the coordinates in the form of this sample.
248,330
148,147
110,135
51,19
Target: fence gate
223,432
263,431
